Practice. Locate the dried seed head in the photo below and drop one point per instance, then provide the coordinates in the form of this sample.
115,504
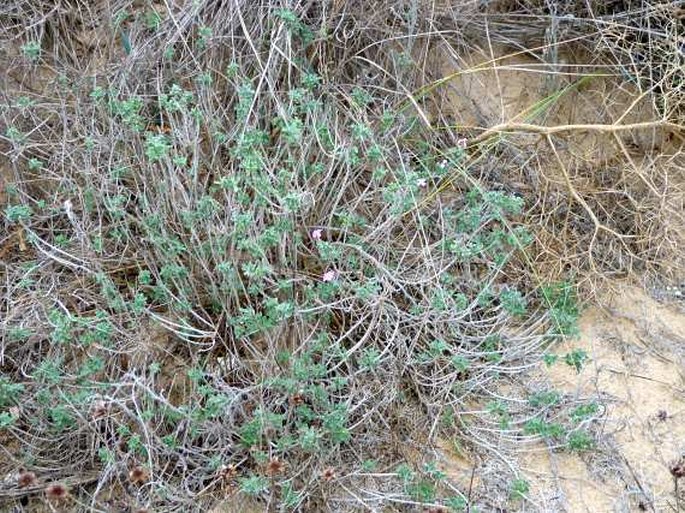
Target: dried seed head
26,479
662,415
56,491
227,472
100,410
297,399
328,474
138,475
275,466
678,469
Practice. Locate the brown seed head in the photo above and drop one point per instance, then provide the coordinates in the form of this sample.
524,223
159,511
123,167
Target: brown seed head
274,467
100,410
297,399
26,479
328,474
227,472
678,469
138,475
56,492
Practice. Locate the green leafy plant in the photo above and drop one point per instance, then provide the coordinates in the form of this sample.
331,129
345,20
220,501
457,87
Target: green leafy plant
152,19
18,213
31,50
456,504
204,35
576,359
584,411
130,112
563,307
513,302
519,489
15,135
9,392
254,485
156,147
580,441
544,429
6,420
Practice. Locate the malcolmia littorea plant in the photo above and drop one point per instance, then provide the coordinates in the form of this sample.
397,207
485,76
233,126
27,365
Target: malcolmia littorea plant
323,271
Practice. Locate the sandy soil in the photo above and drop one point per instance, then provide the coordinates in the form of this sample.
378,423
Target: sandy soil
637,346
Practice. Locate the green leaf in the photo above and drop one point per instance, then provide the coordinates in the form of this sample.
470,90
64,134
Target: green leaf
125,42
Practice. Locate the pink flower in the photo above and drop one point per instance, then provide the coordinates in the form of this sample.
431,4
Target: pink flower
329,276
463,143
316,234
